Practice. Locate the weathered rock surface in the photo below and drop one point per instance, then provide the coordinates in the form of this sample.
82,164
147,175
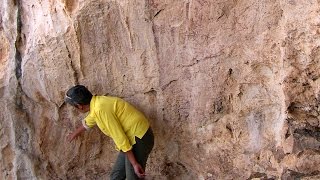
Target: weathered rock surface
231,87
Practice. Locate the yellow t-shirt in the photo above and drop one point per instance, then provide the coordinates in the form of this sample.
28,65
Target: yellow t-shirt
117,119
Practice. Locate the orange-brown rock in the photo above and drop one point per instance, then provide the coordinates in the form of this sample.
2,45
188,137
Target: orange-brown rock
231,87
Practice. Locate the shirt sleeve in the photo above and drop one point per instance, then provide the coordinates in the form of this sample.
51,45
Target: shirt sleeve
89,122
116,132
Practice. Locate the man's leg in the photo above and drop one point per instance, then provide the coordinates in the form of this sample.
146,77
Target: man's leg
119,170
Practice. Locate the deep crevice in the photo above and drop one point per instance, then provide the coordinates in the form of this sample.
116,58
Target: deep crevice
18,57
18,43
75,72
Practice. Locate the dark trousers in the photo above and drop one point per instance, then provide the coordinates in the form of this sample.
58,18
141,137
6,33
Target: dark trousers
123,169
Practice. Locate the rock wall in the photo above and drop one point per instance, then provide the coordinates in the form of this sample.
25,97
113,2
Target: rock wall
231,87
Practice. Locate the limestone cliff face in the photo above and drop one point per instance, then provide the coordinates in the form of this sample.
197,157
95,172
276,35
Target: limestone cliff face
231,87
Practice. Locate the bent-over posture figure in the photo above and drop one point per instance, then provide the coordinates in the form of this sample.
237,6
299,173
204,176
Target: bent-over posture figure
116,118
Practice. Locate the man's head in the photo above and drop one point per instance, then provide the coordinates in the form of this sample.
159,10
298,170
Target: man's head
79,96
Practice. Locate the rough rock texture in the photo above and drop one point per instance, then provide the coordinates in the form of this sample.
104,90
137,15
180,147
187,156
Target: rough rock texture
231,87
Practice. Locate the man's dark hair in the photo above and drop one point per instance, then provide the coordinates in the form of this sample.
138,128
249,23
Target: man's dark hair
78,94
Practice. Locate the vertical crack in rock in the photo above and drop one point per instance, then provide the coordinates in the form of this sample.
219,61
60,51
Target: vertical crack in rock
18,43
18,58
20,127
1,25
74,69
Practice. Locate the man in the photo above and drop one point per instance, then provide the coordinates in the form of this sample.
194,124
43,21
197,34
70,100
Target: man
116,118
